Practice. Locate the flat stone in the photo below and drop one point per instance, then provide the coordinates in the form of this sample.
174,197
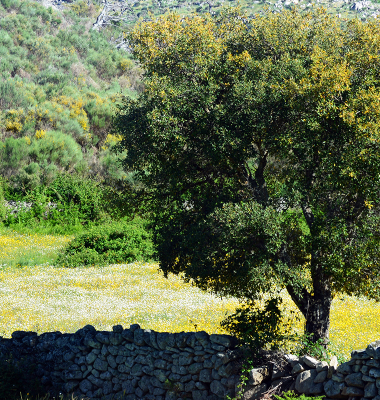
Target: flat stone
337,378
256,376
298,368
360,355
305,380
373,363
310,361
368,379
322,366
224,340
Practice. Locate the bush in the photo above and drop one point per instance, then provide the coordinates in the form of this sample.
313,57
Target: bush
115,243
260,328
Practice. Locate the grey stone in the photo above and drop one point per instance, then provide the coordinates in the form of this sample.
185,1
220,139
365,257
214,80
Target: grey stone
103,337
337,378
189,386
107,387
205,376
374,373
352,391
291,359
137,370
202,337
106,376
332,366
138,337
254,392
127,387
217,388
322,366
316,388
185,360
370,390
197,395
195,368
378,383
298,368
70,386
355,380
94,380
310,361
344,369
115,338
333,389
100,365
277,372
200,386
256,376
368,379
225,370
373,350
111,361
223,340
321,377
364,369
305,380
90,341
165,340
373,363
360,355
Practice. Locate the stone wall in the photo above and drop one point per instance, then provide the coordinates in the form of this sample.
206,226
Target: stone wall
358,378
136,363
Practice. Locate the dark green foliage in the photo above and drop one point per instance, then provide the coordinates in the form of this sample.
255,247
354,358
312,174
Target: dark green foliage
258,144
260,327
293,396
115,243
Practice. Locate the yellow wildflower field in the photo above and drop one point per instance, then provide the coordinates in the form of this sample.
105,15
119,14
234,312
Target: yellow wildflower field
44,298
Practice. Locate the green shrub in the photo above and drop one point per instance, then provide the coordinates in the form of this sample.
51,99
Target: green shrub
290,395
115,243
260,328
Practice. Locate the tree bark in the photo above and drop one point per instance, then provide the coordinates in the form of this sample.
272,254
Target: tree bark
315,307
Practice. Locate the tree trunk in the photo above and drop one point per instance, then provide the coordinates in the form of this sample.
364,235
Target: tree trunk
315,308
318,318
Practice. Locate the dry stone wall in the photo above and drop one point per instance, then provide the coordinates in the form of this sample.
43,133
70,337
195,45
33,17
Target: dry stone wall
137,363
358,378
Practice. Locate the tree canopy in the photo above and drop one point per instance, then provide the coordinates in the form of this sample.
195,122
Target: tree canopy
257,141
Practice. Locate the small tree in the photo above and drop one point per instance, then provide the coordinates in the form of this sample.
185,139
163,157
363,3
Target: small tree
259,144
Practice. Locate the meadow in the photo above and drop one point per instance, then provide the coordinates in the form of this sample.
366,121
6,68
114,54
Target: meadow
39,297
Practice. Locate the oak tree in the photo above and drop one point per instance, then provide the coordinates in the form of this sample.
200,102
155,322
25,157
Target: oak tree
258,145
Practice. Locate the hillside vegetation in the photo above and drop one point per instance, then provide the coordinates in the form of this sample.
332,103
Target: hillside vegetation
59,84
